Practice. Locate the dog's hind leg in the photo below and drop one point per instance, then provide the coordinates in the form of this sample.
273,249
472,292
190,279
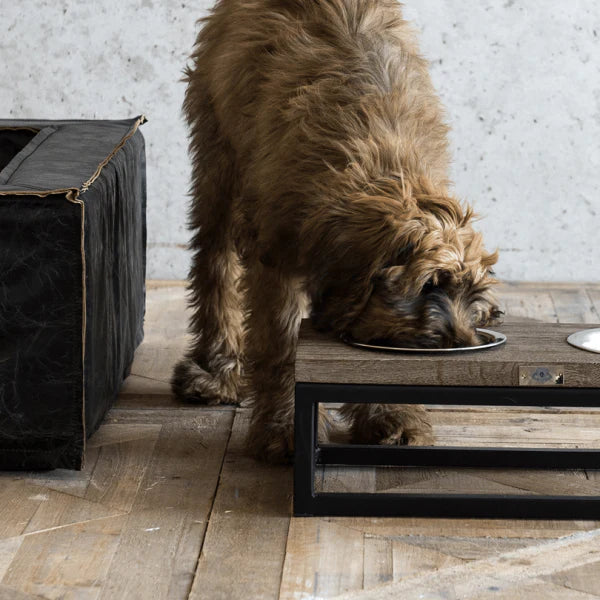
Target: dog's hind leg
211,370
389,424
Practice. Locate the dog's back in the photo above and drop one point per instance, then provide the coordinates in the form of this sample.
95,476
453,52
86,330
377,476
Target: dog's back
298,84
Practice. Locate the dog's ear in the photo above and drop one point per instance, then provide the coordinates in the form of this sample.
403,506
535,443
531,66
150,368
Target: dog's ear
403,255
391,276
339,302
394,269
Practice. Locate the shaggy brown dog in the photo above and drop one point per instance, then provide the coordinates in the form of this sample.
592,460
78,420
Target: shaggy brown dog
320,185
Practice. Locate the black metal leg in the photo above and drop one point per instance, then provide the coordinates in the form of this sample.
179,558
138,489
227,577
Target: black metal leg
480,458
458,396
305,442
457,506
309,454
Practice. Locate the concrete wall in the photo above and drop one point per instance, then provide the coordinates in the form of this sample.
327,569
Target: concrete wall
520,78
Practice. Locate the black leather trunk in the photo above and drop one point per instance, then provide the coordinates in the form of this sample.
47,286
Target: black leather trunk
72,273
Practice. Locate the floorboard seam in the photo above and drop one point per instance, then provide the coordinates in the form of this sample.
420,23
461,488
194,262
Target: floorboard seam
141,479
548,579
122,514
515,559
337,521
287,537
528,489
27,595
594,308
212,504
149,378
49,489
556,317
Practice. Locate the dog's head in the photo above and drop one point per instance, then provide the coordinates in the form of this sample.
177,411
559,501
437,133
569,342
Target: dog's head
439,309
429,287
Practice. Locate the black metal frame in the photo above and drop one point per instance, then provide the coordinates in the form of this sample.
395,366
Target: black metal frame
309,454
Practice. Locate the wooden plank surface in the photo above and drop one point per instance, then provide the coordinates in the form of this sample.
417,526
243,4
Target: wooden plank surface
593,294
585,578
66,561
522,303
322,560
161,539
8,550
244,549
506,573
378,561
8,593
322,358
574,305
166,502
493,529
165,340
130,527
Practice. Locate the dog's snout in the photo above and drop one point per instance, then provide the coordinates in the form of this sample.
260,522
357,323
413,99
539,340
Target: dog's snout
465,338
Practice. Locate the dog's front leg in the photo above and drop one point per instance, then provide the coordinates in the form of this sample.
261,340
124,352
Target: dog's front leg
389,424
276,306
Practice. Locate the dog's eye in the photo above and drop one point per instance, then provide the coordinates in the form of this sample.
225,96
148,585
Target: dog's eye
429,286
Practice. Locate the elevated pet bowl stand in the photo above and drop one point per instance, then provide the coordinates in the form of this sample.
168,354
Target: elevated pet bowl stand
537,367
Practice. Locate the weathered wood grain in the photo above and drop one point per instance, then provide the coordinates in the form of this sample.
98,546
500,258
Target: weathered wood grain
244,548
322,560
378,561
522,303
164,343
574,305
8,549
504,573
120,469
532,590
120,433
124,452
8,593
133,522
161,539
322,358
325,557
65,562
412,559
446,481
583,579
471,528
340,479
58,510
19,501
468,548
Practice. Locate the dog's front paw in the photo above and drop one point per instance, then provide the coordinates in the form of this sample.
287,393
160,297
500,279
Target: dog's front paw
393,426
191,383
421,436
271,443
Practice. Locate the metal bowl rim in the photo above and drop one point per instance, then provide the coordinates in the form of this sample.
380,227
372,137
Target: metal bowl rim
574,338
497,339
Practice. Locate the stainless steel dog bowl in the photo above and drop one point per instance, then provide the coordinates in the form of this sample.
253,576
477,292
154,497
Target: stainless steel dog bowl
492,340
588,339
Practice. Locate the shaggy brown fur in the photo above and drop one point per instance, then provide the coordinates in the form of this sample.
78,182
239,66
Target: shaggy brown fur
320,186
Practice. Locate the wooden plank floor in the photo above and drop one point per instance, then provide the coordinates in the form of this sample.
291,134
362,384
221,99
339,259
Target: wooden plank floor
169,506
